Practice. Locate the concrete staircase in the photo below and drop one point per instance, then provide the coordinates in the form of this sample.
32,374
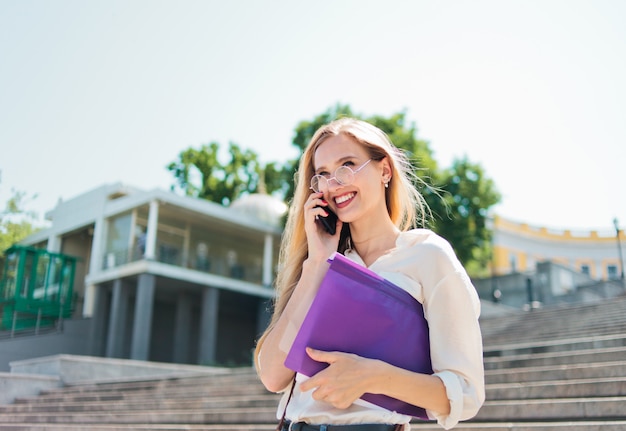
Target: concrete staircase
546,370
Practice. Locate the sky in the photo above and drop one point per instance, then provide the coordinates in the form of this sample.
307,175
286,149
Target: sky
100,92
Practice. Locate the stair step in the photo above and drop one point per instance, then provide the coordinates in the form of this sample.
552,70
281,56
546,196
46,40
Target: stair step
563,409
555,344
266,400
556,372
527,426
249,415
605,387
501,410
556,358
180,393
609,425
136,427
243,379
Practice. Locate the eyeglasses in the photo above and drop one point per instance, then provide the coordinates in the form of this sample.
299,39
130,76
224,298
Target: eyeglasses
343,176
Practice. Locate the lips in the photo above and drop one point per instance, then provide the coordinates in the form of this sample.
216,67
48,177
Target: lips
344,198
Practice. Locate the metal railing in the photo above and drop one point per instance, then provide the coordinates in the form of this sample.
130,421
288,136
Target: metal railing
24,324
213,264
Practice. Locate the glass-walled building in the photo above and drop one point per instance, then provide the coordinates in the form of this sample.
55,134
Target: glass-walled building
169,278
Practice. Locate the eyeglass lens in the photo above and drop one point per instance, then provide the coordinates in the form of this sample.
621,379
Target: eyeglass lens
343,175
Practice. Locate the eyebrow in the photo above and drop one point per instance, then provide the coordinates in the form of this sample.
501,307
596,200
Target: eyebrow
341,161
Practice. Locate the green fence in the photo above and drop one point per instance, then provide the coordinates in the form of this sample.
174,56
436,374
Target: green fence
36,288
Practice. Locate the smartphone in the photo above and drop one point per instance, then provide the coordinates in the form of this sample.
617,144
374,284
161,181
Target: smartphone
330,222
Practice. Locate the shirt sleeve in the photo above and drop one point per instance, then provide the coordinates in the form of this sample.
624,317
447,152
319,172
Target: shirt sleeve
452,308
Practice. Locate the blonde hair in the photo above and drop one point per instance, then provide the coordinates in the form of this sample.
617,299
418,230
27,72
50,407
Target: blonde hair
405,205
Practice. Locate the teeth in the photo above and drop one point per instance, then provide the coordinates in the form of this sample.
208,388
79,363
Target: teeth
342,199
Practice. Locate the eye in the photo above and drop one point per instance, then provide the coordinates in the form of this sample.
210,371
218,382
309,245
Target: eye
349,163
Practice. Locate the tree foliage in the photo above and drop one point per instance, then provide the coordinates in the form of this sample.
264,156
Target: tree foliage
459,197
402,134
200,173
16,223
463,210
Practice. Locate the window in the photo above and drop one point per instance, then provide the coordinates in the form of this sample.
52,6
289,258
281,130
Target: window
513,262
611,271
585,269
117,241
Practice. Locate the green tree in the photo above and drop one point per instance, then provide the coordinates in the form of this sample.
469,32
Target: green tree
458,197
401,133
16,223
468,195
200,173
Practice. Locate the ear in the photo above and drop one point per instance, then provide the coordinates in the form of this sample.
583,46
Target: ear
386,172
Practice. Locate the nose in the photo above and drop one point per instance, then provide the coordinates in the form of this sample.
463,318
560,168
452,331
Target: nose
330,182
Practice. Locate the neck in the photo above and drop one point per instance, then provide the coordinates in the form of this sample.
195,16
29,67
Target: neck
372,243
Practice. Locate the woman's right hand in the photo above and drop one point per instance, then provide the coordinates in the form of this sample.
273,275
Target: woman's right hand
321,244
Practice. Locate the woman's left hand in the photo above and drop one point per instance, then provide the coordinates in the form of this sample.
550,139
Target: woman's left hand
344,381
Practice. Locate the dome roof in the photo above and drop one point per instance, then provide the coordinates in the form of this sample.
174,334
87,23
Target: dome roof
265,208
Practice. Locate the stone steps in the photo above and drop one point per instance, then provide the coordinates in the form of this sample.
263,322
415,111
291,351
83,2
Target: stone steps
572,380
474,426
589,425
245,377
224,415
592,342
493,411
590,355
562,322
131,404
584,388
525,389
554,409
121,394
594,370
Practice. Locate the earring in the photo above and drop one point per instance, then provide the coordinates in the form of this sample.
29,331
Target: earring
386,184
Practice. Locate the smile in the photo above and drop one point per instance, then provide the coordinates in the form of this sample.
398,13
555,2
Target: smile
344,198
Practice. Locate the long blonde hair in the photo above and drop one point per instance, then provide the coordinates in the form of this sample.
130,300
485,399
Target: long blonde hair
405,205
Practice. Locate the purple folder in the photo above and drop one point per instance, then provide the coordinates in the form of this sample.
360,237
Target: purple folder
357,311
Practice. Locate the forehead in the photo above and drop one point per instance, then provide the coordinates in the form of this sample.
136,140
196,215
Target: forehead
335,149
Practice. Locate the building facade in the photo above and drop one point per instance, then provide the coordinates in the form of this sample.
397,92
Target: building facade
518,247
536,266
169,278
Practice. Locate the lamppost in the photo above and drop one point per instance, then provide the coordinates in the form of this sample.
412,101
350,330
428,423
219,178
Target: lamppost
619,248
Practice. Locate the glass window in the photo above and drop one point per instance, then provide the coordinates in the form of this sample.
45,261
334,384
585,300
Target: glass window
42,277
11,275
585,269
169,246
27,274
611,271
118,239
513,262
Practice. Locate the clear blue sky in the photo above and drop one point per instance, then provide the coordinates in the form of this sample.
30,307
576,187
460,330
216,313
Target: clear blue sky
95,92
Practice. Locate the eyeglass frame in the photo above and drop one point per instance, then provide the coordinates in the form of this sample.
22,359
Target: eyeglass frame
334,178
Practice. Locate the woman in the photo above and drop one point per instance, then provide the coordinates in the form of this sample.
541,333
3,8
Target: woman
351,168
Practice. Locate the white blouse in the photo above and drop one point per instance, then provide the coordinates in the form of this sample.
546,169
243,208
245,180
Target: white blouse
425,265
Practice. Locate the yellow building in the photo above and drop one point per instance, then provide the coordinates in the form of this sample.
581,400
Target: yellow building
518,247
